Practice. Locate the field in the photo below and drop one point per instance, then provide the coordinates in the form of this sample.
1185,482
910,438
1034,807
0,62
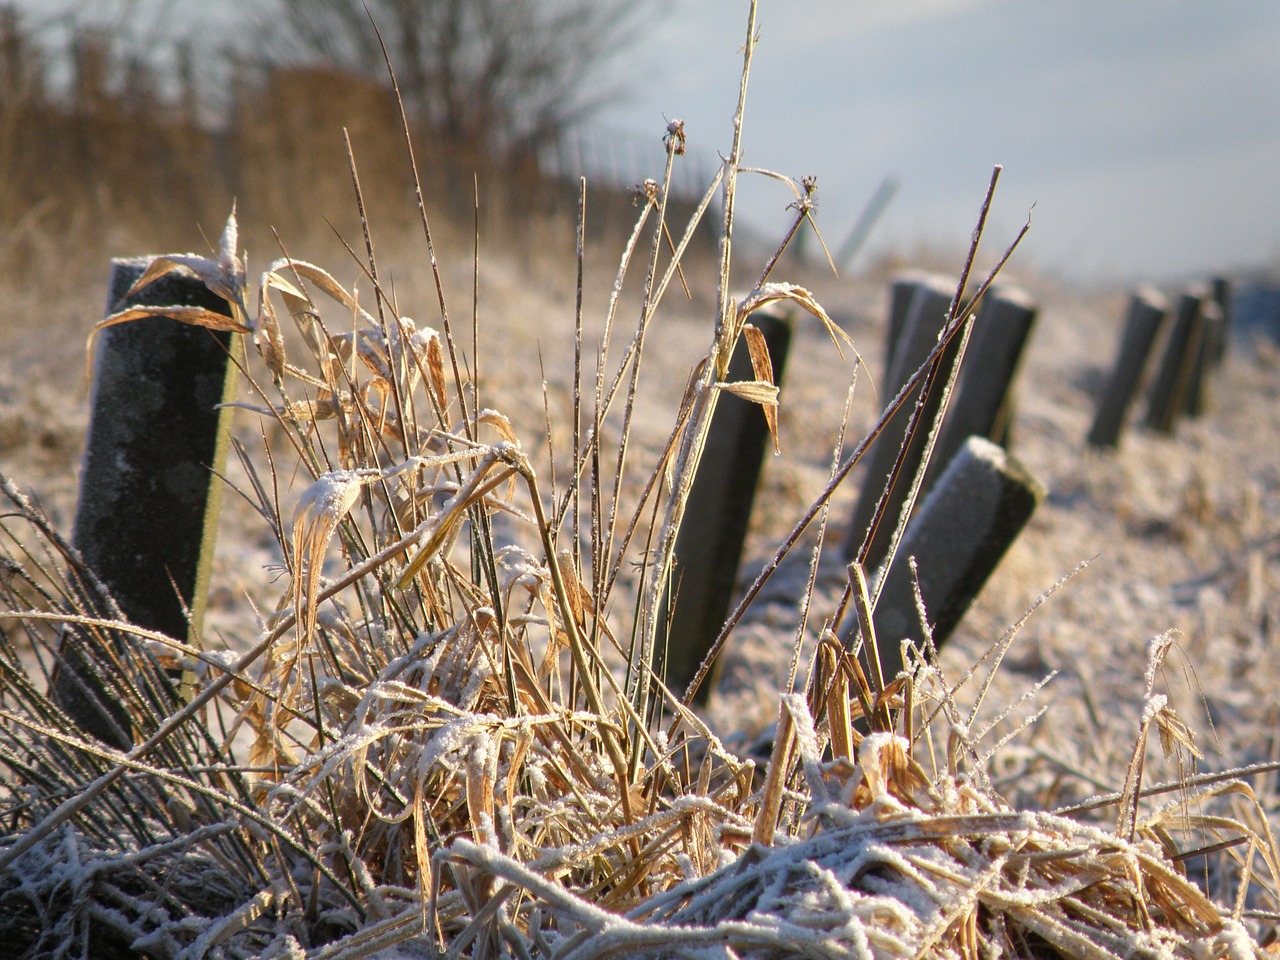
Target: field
1177,538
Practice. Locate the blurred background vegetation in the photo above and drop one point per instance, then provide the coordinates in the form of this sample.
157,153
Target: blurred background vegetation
117,140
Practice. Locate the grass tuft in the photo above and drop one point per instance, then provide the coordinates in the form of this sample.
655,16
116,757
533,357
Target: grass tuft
449,738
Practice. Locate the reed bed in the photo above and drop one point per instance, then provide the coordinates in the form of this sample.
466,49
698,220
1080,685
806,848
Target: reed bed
448,740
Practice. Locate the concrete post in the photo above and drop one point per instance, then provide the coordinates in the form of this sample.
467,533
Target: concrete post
976,510
902,288
1222,294
927,317
709,545
1147,312
985,394
1206,358
1168,398
147,510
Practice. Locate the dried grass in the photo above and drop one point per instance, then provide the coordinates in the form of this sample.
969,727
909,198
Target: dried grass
451,750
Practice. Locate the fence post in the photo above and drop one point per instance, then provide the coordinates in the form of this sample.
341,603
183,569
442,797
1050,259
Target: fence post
1147,312
1221,293
983,403
1206,358
709,545
964,527
147,508
929,305
902,288
1169,391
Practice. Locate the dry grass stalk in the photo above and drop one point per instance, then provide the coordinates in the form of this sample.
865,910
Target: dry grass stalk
453,751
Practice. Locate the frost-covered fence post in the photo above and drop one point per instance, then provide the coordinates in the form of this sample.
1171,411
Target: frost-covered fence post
929,305
968,521
902,288
1168,397
1147,312
1221,292
709,545
984,398
1206,358
149,495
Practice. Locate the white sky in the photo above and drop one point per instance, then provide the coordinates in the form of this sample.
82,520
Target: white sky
1146,132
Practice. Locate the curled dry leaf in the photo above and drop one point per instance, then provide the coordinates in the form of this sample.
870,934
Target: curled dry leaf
268,339
501,424
757,391
763,296
758,348
317,515
763,390
224,276
396,358
194,316
280,276
277,276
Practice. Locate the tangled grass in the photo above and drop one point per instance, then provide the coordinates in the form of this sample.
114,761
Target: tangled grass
441,744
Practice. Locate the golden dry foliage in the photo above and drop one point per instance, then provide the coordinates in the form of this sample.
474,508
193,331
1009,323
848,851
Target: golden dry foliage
443,716
452,750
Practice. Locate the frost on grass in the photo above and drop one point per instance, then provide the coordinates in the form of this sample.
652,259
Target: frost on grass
455,747
446,750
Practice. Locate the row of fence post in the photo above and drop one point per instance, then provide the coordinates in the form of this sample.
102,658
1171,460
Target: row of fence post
1195,336
148,501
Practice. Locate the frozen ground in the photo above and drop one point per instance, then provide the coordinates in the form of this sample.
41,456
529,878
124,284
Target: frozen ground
1179,533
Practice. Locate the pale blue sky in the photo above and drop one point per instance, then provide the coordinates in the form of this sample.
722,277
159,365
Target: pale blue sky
1146,132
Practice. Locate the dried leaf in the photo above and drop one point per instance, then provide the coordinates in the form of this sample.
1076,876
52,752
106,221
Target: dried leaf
762,366
277,276
479,791
195,316
758,348
757,391
420,849
1175,735
280,276
775,784
776,292
317,515
435,372
454,512
162,266
223,277
268,338
840,720
500,423
228,245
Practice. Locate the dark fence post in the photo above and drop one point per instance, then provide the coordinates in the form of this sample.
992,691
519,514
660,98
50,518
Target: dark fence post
1147,312
976,510
709,545
902,288
147,509
928,312
1169,391
983,403
1206,358
1221,293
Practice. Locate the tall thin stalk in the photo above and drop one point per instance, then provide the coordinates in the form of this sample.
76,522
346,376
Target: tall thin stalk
703,402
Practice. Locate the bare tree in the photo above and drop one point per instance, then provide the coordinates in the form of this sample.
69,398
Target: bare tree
481,73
